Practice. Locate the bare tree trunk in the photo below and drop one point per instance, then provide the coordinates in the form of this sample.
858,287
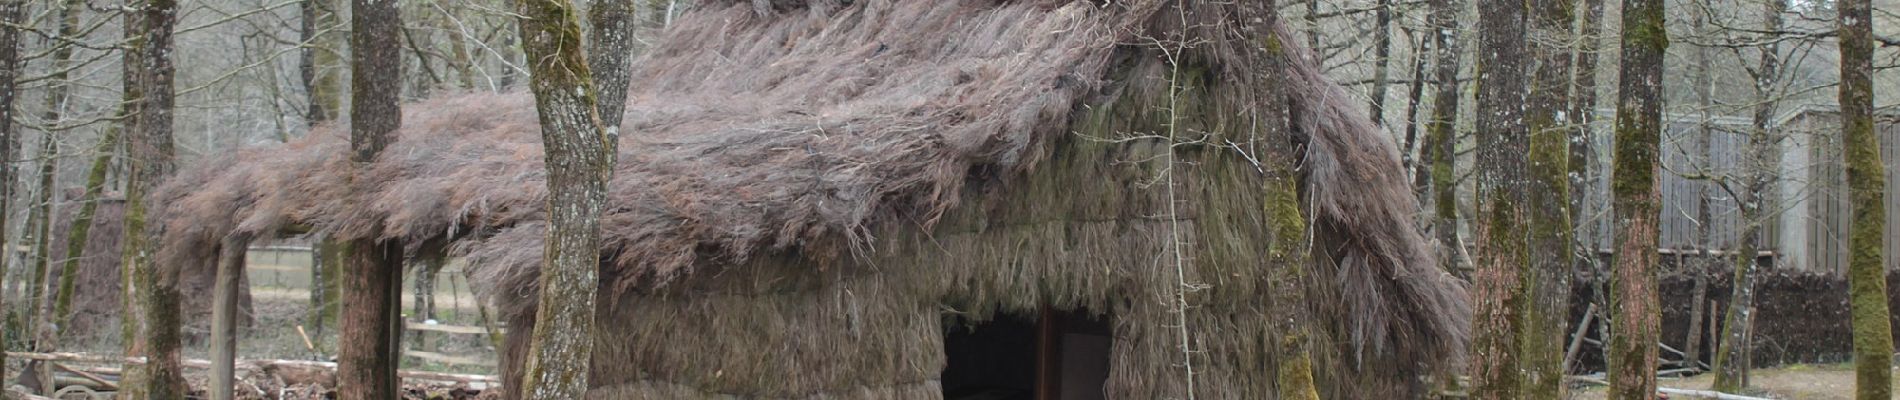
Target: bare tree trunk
224,320
1503,203
1415,96
1440,149
459,57
1867,184
39,297
369,344
1634,311
42,229
367,340
319,74
507,55
1583,153
1410,150
1547,297
1705,131
420,45
1583,99
1382,61
76,239
1698,296
1312,28
580,159
154,292
320,60
370,333
1733,354
11,11
615,24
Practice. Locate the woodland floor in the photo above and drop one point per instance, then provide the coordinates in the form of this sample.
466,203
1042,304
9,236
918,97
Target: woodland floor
1798,381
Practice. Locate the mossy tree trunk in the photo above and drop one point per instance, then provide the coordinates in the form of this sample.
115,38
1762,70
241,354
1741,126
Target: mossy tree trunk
1289,253
1731,358
580,158
1381,61
12,12
1634,314
1441,142
1866,182
132,312
1503,201
1547,279
326,273
369,338
149,152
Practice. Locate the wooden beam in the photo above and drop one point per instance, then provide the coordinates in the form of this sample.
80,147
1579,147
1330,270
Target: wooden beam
1048,356
466,330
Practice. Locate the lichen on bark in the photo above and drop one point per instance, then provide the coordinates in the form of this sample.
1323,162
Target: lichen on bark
1503,275
579,157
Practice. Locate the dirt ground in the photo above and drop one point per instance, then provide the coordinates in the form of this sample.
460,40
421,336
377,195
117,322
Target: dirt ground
1795,382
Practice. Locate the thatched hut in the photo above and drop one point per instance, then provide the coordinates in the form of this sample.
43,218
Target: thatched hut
908,199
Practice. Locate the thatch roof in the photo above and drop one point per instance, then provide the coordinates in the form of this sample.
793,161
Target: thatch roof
798,128
97,289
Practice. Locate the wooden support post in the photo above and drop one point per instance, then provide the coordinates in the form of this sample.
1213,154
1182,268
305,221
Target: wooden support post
224,310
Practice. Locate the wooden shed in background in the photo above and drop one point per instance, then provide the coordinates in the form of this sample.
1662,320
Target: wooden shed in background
1805,225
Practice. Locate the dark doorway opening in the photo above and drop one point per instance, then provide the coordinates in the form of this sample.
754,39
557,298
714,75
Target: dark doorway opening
1049,355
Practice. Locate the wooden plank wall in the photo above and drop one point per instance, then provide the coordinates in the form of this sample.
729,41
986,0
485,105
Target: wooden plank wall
1828,208
1689,170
